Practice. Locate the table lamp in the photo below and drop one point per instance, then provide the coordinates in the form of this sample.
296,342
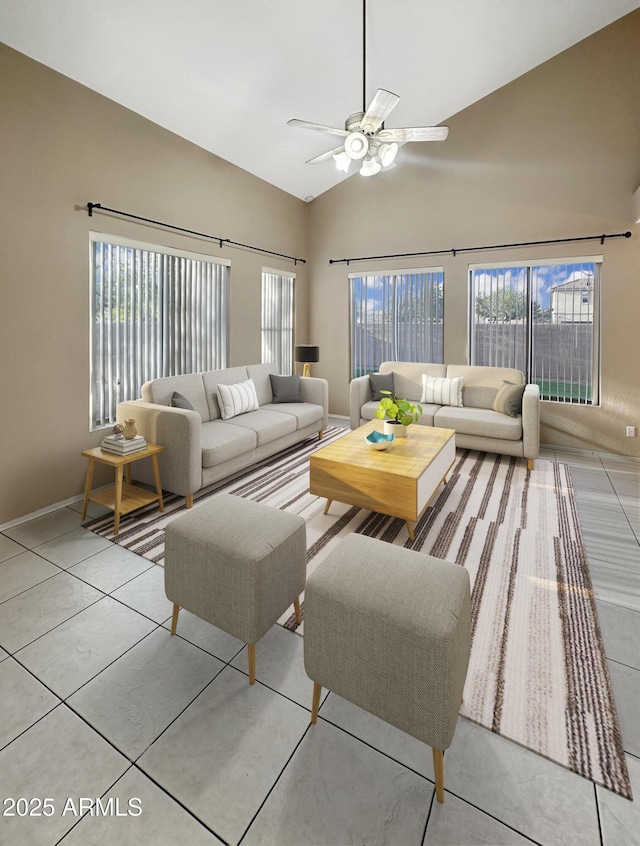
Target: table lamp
306,354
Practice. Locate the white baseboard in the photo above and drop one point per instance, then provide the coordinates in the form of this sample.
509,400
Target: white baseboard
48,509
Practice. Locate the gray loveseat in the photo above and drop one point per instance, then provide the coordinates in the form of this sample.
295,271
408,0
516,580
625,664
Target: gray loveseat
201,447
477,425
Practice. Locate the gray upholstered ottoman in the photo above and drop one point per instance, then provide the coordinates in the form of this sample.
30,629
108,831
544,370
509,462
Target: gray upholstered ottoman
389,629
237,564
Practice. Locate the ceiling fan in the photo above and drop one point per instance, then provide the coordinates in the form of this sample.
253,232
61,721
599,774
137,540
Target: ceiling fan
366,139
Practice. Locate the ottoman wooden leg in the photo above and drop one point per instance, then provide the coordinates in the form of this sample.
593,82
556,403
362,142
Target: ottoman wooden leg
315,705
438,771
174,618
251,648
296,608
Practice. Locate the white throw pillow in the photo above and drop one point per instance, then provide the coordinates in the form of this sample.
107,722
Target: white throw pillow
441,391
237,399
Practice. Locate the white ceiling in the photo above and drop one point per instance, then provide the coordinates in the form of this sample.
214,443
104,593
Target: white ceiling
228,74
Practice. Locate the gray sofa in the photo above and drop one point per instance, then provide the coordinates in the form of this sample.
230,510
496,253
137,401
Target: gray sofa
477,425
200,447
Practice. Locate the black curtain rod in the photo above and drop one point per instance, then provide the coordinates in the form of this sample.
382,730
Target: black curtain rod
454,250
221,241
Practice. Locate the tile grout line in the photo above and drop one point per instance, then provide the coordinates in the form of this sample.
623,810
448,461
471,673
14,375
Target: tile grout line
273,786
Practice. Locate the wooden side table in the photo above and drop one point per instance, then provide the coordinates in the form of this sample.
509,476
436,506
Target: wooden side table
124,496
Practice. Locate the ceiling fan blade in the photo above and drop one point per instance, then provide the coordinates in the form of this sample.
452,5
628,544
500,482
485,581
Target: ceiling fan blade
414,133
383,103
304,124
324,156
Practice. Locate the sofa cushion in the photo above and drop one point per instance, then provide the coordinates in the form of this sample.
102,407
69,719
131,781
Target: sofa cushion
481,384
237,399
479,421
380,382
509,399
441,391
407,376
191,385
260,373
285,388
212,378
268,425
222,441
179,401
305,413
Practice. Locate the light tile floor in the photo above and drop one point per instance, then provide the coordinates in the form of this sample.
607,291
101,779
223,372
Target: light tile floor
99,701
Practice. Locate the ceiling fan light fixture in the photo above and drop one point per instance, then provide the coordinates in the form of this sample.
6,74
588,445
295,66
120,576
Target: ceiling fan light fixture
387,154
343,161
370,166
356,145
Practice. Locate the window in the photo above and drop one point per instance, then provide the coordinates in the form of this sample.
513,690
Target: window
154,312
396,316
543,319
277,319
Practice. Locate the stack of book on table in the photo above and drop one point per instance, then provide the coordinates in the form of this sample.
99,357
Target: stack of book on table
121,446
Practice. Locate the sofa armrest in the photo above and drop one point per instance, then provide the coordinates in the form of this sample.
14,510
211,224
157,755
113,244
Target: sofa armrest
359,393
313,389
531,422
180,433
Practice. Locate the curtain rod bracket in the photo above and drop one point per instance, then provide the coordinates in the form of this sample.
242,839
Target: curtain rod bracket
453,252
91,207
602,239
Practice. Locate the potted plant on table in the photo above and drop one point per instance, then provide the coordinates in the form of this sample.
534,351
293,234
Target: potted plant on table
401,413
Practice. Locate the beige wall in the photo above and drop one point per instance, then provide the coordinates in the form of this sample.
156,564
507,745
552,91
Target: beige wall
555,154
62,145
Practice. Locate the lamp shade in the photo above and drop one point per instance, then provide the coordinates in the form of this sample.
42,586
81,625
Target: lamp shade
343,161
306,353
370,167
356,145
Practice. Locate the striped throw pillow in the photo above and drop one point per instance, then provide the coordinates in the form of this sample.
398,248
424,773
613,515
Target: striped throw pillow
237,399
441,391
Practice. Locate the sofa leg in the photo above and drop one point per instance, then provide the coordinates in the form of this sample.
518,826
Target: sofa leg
189,500
296,607
529,463
320,433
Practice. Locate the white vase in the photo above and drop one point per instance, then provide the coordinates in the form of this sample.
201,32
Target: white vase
397,429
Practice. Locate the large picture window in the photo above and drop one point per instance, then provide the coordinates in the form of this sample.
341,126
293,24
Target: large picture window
154,312
543,319
396,316
277,319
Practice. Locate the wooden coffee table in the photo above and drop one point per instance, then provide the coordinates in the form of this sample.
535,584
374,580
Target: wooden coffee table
400,480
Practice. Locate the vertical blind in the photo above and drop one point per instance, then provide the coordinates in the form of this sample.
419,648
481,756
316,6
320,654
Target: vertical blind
154,312
277,319
396,316
541,318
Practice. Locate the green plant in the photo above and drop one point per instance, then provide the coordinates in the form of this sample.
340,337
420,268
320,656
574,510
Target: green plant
400,410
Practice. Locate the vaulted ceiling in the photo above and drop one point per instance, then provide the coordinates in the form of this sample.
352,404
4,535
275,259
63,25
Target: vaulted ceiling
228,74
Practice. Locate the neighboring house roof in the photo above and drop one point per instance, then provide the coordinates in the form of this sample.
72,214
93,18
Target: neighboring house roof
577,283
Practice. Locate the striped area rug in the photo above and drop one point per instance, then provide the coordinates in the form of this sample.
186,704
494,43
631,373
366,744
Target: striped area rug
537,673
